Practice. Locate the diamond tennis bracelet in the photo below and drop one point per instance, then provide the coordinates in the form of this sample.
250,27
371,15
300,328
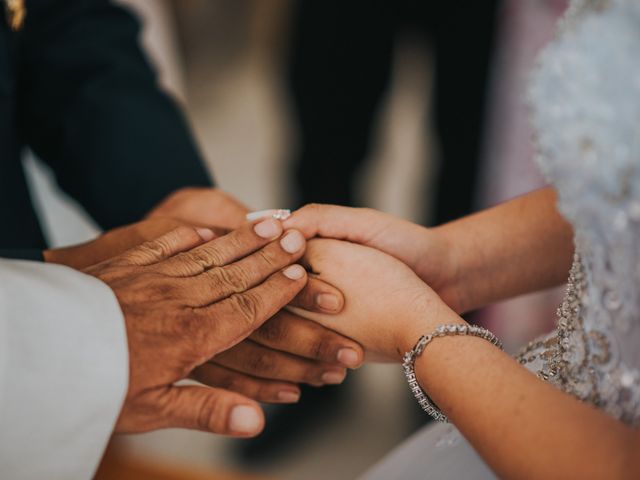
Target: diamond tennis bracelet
409,360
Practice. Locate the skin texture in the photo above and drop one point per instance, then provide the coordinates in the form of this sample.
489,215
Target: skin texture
520,246
212,207
282,353
113,242
185,301
520,425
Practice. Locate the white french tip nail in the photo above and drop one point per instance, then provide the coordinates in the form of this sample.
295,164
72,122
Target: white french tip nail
281,214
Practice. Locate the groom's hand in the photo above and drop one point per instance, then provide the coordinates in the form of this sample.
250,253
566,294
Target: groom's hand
185,302
202,206
285,351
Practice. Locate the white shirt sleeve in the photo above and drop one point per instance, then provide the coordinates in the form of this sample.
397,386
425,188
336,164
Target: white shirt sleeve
63,371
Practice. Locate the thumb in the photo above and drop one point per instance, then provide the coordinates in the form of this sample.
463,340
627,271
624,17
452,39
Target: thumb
213,410
179,240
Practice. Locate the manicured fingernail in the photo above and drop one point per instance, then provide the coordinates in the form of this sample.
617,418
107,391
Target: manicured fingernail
328,301
269,228
292,242
281,214
348,357
294,272
205,233
244,419
333,378
288,396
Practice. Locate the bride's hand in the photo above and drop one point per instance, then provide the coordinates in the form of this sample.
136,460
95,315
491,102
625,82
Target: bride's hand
387,307
424,250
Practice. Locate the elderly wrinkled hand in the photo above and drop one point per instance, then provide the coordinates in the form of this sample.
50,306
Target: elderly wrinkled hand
187,297
285,351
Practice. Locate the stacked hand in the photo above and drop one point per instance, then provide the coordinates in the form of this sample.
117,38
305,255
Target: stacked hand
387,306
186,298
184,302
423,250
277,355
380,267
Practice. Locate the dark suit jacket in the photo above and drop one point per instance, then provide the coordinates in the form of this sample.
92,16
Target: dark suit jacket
76,88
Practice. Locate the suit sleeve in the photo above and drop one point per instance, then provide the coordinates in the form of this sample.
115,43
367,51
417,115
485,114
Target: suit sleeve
91,108
24,254
63,371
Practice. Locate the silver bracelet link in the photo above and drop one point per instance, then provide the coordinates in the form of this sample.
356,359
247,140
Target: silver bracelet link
409,360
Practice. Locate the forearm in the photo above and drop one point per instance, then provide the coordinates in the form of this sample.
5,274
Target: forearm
520,246
23,254
522,426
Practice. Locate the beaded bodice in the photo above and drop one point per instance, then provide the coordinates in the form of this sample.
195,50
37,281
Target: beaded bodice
585,98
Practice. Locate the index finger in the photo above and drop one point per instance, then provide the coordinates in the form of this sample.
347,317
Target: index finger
290,333
224,324
332,221
223,250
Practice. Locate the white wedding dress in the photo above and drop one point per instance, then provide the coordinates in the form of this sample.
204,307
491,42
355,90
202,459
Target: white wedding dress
585,98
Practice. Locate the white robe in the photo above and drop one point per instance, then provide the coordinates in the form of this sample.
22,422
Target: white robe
63,371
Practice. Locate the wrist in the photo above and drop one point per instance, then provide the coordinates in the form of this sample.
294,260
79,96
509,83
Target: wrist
425,320
437,264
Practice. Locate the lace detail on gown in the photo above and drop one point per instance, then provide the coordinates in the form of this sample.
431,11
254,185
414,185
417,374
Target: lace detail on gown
585,98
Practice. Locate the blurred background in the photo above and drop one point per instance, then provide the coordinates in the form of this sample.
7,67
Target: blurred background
416,108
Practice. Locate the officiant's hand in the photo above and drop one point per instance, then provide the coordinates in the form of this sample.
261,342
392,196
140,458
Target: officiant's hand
285,351
387,306
112,243
214,207
186,301
424,250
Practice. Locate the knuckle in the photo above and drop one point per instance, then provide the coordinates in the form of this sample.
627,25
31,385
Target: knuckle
261,362
320,348
247,306
180,266
205,257
185,233
235,241
272,332
209,415
160,247
232,278
235,383
144,253
268,257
